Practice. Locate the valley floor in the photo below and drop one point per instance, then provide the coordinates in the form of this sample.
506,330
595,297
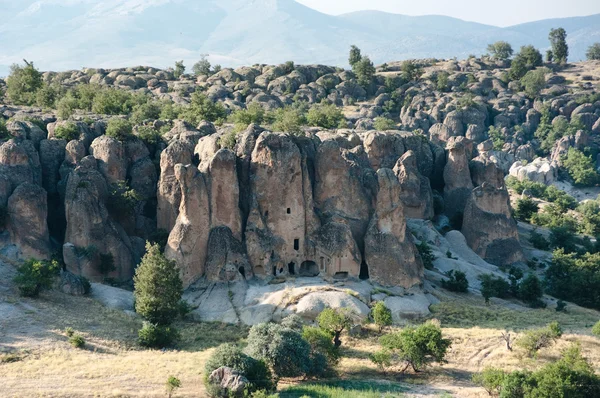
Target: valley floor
37,360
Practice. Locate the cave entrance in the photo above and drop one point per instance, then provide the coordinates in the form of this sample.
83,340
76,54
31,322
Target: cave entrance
292,268
340,275
364,271
309,268
242,271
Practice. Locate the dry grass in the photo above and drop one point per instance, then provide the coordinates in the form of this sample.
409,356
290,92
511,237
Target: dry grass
38,360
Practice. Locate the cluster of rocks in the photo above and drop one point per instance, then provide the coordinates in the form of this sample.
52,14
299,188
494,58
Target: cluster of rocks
329,203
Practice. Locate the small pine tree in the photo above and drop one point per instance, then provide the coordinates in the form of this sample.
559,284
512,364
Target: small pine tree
382,315
173,383
158,287
355,56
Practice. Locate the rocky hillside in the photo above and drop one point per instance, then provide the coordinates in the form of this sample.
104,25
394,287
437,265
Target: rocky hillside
233,202
69,34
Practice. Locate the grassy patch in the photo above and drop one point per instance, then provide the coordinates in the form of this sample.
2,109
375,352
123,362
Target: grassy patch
466,314
345,389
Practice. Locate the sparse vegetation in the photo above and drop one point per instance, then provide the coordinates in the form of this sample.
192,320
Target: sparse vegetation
77,341
119,129
426,254
536,339
34,276
456,282
68,131
593,52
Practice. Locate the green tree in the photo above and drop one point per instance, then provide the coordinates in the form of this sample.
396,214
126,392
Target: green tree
324,354
382,315
381,358
158,287
593,52
335,321
23,83
500,50
172,384
417,346
526,207
289,120
323,115
355,56
581,168
410,70
202,108
68,131
119,129
531,56
558,41
383,124
179,69
494,286
284,350
202,67
491,379
365,71
534,81
531,291
426,254
456,282
34,276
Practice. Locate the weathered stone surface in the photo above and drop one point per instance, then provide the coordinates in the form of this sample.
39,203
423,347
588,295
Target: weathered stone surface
72,284
226,259
232,382
540,170
27,213
489,227
90,225
457,177
20,163
389,251
169,191
52,155
188,240
110,154
415,189
312,304
483,169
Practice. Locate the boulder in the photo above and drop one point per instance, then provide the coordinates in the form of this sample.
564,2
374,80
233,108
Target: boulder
415,189
110,154
489,228
389,251
457,177
27,212
230,381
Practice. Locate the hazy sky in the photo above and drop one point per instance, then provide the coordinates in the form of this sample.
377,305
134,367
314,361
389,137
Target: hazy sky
499,13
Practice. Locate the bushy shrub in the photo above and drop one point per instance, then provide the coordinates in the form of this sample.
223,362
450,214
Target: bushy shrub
156,336
491,379
254,113
323,353
382,315
417,346
456,282
119,129
381,358
158,287
574,278
580,168
146,111
77,341
202,108
202,67
284,350
324,115
47,95
531,291
534,81
596,329
593,52
538,241
228,140
426,254
500,50
335,321
172,384
34,276
494,286
69,332
148,134
256,371
23,83
411,70
289,120
68,131
534,340
122,200
293,321
383,124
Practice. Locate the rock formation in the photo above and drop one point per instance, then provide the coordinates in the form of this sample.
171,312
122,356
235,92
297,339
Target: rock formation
489,227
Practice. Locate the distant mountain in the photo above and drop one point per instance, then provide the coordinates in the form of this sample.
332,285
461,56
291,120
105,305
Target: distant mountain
68,34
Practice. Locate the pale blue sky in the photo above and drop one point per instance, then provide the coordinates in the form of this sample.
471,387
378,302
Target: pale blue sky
498,13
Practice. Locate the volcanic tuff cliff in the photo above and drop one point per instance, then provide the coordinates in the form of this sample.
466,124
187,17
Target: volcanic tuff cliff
324,202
